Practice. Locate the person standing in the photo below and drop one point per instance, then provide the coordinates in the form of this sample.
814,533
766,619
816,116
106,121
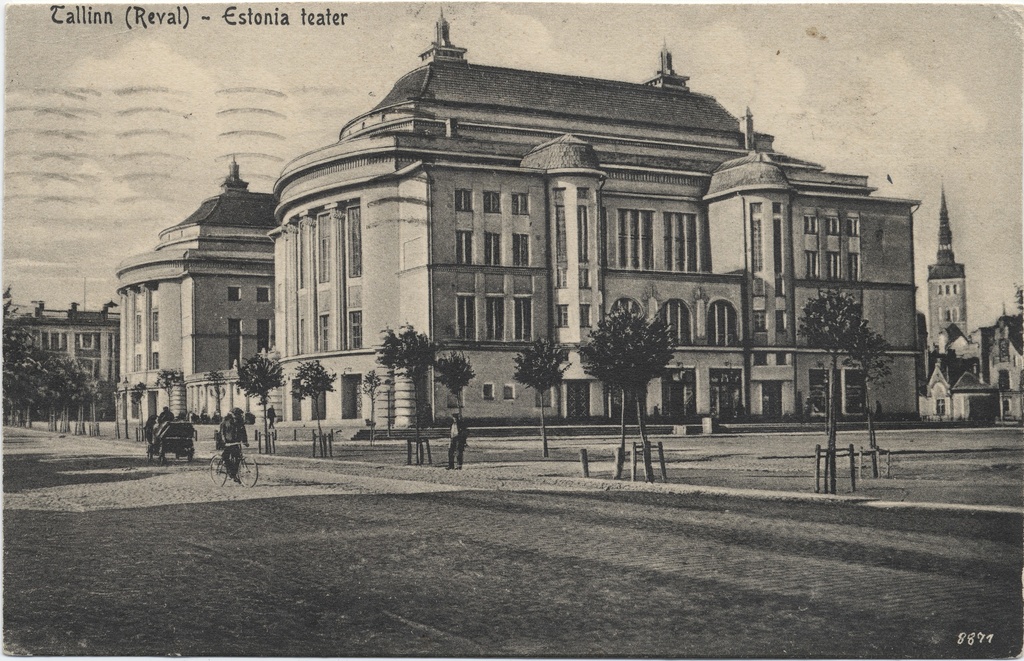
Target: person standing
271,417
232,432
455,441
463,438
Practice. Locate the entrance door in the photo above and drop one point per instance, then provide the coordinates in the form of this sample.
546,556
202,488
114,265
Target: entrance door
577,399
678,394
296,402
151,402
771,399
350,396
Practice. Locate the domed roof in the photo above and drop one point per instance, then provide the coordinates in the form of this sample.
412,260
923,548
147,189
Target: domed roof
755,170
236,206
564,153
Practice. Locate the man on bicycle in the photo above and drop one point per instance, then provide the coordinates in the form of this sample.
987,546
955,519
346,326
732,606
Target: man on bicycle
232,432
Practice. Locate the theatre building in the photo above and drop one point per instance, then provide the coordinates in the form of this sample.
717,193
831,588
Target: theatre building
201,301
488,207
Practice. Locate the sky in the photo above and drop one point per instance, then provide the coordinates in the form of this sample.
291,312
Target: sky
113,134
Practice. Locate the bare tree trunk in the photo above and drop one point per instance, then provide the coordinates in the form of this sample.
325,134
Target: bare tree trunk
543,428
620,456
648,463
373,417
833,410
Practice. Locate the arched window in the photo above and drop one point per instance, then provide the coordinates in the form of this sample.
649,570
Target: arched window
722,324
676,316
629,305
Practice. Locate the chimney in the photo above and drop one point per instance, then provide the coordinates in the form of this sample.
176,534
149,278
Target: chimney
749,131
73,311
40,306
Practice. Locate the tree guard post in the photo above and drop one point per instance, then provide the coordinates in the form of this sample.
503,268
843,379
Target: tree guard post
661,460
817,468
853,472
584,463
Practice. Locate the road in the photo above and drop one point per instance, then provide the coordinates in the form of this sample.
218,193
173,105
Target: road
105,555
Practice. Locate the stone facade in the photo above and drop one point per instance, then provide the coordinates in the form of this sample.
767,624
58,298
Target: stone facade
488,207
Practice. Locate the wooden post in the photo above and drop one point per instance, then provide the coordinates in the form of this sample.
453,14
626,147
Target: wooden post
295,434
817,468
633,477
661,460
860,461
874,460
853,473
408,451
888,463
584,463
430,460
314,445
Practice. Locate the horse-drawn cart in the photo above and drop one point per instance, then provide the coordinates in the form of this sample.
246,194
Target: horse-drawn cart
177,438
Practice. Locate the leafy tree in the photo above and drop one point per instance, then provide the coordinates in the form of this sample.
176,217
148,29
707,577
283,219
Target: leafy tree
869,352
313,380
258,377
371,384
831,322
625,352
217,382
64,383
411,354
168,380
23,361
137,392
454,372
541,366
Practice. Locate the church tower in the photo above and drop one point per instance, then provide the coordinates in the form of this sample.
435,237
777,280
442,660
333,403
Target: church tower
947,285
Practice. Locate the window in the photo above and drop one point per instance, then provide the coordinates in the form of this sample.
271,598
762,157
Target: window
324,254
583,232
810,224
636,240
508,391
561,252
523,313
760,321
154,361
676,316
949,315
756,247
562,316
780,321
954,289
582,193
463,199
760,358
853,399
947,290
833,265
154,328
463,247
832,225
138,328
302,336
853,270
520,204
853,225
722,324
647,238
355,243
584,315
88,341
782,358
137,363
355,329
234,293
584,278
495,318
234,341
777,259
811,263
489,391
324,333
561,277
940,407
264,334
521,249
629,305
492,201
262,294
300,249
680,241
1004,380
465,312
492,248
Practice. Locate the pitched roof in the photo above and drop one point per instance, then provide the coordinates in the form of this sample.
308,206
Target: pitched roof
970,383
542,93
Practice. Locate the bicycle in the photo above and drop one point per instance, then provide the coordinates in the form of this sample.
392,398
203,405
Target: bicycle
248,471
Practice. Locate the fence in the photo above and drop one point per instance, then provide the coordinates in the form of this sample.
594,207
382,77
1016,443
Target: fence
266,443
637,454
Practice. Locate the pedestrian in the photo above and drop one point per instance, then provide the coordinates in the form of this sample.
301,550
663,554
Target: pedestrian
271,416
463,437
147,429
455,441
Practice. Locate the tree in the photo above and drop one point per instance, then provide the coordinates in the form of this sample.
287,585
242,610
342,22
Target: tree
371,384
258,377
411,354
831,322
625,352
541,366
23,361
454,372
869,352
168,380
216,379
64,384
137,392
313,380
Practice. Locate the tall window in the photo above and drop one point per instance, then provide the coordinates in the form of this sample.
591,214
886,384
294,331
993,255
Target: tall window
647,238
234,342
832,225
492,248
154,361
680,241
463,199
777,249
756,244
636,239
355,243
138,328
463,247
629,305
523,318
676,316
853,272
584,277
355,329
137,363
584,315
561,252
521,249
853,225
324,332
324,254
520,204
495,310
492,201
833,265
561,277
465,317
810,224
234,293
780,321
154,329
583,232
562,316
264,335
811,264
300,248
722,324
760,321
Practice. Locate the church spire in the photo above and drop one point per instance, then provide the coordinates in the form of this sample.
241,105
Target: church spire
233,181
666,78
945,254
